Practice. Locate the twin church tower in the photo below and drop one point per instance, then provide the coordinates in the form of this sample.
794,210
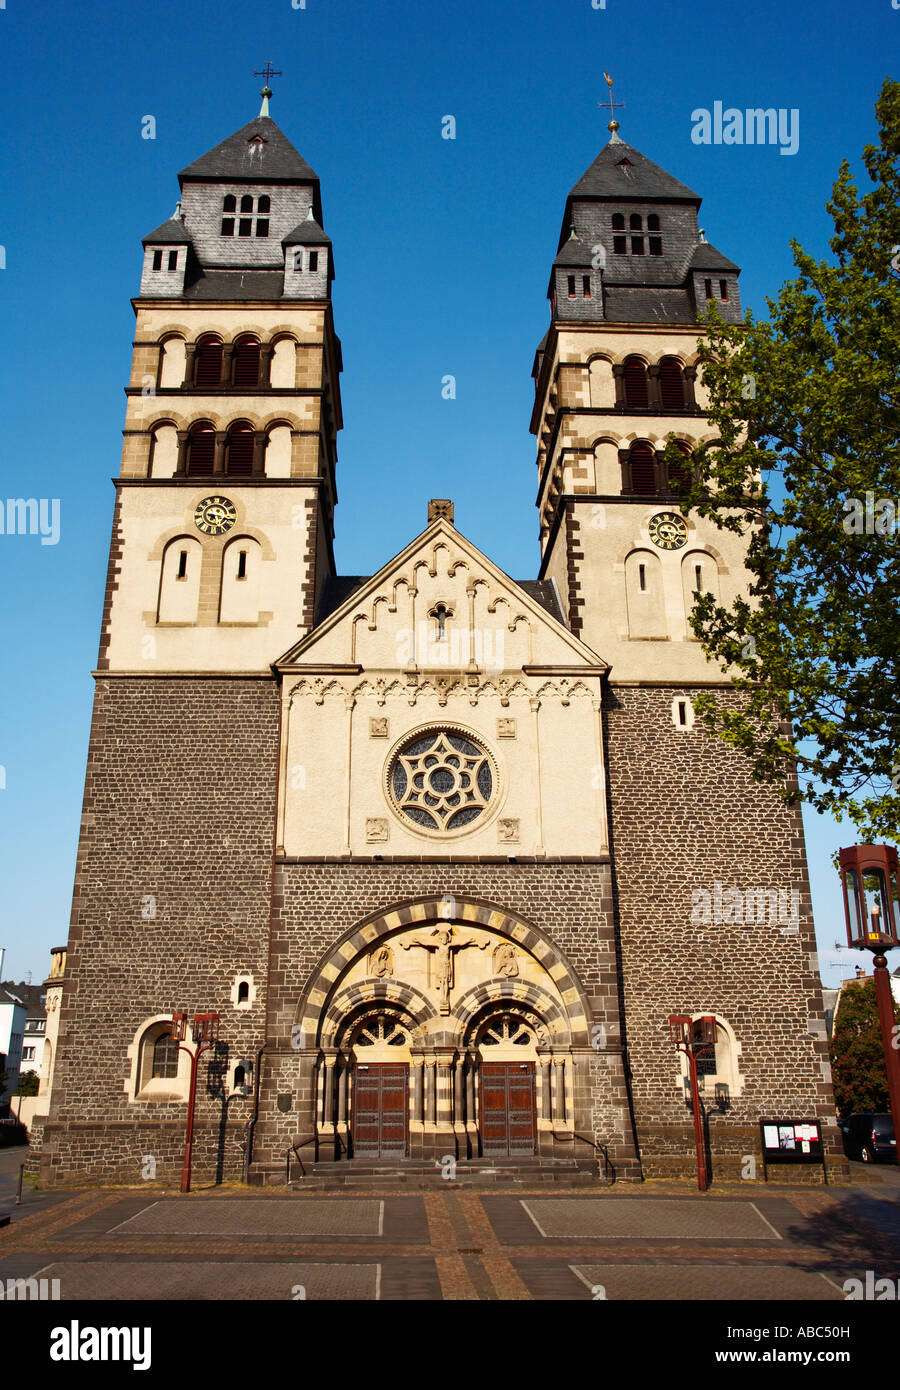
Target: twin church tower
430,842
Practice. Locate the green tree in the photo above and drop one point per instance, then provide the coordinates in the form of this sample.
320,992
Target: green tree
806,412
858,1072
29,1084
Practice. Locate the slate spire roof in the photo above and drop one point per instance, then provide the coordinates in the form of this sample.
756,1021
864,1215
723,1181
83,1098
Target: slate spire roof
621,172
259,151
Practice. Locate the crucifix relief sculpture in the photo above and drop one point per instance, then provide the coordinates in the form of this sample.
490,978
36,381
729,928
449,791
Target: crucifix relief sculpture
444,944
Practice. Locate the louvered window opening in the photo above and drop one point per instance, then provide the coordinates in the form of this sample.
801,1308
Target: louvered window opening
246,363
239,461
201,451
208,370
643,469
671,384
636,383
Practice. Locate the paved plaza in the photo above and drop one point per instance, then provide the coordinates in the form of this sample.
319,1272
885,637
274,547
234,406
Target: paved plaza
656,1241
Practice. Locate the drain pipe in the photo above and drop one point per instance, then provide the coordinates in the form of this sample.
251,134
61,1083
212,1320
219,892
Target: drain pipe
251,1123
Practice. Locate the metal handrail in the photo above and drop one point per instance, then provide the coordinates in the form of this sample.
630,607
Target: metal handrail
598,1148
310,1139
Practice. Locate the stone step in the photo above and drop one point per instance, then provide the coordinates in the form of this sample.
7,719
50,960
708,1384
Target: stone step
538,1172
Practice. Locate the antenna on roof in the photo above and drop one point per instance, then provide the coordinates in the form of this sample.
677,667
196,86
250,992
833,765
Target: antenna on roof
613,126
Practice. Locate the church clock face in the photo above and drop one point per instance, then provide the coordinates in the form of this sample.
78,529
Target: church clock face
214,516
668,530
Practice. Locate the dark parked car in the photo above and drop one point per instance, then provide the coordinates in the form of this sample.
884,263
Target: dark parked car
869,1136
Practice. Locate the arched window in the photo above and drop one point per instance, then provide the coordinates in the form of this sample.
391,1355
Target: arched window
246,203
642,468
229,203
243,992
653,223
636,222
201,450
671,384
681,472
635,383
239,452
246,362
618,222
208,362
165,1057
264,204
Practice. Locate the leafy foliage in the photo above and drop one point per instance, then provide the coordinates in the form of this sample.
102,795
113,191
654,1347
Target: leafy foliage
858,1072
806,412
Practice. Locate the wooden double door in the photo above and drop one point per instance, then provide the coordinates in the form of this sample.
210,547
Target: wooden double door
380,1109
508,1125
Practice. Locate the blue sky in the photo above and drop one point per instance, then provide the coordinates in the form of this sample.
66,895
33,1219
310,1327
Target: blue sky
442,251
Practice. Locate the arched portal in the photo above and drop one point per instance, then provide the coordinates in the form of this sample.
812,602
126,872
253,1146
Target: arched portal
444,1027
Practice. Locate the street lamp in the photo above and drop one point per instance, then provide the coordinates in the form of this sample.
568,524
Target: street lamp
205,1034
696,1038
871,884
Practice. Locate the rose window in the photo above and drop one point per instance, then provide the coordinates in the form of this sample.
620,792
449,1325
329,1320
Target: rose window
442,780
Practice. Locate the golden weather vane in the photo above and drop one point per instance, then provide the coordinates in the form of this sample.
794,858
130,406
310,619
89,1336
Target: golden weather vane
613,123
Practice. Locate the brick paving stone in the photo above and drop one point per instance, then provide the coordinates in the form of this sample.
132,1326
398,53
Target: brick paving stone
247,1216
656,1218
206,1281
710,1283
455,1278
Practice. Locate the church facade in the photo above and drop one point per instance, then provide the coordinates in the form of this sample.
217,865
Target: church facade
443,850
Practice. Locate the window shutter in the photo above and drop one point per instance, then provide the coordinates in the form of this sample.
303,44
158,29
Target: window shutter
635,383
643,469
239,462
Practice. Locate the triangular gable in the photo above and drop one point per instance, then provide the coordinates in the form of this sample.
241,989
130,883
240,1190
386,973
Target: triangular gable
435,564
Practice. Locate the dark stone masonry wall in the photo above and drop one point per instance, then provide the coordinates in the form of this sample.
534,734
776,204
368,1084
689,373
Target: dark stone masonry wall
179,807
685,814
316,903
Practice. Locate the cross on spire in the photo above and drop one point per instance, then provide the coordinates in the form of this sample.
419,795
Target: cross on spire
267,72
613,123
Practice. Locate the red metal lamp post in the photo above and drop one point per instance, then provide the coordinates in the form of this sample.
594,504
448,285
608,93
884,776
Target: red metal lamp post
695,1037
205,1033
871,884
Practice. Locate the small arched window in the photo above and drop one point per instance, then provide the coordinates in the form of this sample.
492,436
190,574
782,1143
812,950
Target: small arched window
246,203
208,362
165,1057
239,455
636,222
243,993
246,362
642,468
264,204
635,384
229,203
653,223
618,222
201,451
671,384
